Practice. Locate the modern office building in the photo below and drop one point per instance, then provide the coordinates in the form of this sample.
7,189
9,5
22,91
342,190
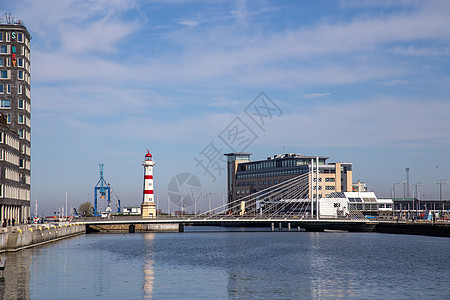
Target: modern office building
15,126
246,177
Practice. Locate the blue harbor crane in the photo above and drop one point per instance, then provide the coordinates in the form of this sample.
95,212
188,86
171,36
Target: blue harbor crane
104,191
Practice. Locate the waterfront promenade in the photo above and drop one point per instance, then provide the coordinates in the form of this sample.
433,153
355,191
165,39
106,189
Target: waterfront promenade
15,238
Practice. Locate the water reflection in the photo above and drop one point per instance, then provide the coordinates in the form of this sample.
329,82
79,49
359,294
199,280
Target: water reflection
149,272
15,279
330,273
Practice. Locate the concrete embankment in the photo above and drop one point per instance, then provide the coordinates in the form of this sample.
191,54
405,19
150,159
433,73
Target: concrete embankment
24,236
419,228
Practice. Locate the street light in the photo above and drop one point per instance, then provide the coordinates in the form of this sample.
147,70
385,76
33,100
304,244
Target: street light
393,200
441,182
393,188
417,196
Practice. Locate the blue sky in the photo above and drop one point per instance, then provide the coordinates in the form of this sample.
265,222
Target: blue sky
365,82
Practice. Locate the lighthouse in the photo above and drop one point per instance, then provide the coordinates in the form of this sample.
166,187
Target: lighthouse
148,207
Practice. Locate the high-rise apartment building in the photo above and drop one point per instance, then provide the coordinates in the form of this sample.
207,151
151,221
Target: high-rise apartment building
15,121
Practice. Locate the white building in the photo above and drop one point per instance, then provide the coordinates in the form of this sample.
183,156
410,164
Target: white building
131,210
344,203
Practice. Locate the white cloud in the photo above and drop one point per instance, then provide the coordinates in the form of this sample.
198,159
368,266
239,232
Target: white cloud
422,51
99,36
396,82
190,23
316,95
345,52
79,26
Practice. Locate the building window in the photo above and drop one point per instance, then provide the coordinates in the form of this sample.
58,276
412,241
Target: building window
20,37
21,163
1,88
20,75
1,36
20,119
5,103
1,137
3,74
21,104
1,61
21,133
8,118
20,89
3,49
20,62
8,88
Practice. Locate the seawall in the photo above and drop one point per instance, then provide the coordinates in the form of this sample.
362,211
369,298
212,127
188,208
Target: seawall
418,228
25,236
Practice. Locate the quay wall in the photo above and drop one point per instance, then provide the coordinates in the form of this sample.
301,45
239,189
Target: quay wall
25,236
157,227
417,228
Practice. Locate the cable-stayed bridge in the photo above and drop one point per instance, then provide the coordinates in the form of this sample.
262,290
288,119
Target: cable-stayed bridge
286,204
285,200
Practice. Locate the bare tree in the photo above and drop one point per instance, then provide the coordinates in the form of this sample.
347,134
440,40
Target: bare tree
86,209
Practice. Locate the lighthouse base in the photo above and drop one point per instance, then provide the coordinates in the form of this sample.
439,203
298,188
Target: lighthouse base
148,210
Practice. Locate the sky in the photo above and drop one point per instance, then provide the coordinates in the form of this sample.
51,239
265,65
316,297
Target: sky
366,82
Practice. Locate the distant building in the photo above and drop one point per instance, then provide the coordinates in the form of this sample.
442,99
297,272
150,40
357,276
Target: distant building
246,177
131,210
15,127
409,208
342,204
359,186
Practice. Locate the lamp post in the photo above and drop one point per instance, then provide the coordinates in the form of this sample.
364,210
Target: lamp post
407,184
417,195
441,182
393,200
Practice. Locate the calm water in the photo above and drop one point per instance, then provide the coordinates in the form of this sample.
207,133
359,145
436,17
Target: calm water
206,263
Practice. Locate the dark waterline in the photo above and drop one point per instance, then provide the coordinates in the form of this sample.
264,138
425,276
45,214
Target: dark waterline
220,263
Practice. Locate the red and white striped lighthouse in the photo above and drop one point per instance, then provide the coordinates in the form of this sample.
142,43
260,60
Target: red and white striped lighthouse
148,207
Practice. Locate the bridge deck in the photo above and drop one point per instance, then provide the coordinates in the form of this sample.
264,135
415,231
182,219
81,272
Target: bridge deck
222,220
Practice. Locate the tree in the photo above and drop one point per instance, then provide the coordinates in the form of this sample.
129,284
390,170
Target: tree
86,209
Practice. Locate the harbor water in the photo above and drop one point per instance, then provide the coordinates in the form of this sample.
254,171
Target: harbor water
238,263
